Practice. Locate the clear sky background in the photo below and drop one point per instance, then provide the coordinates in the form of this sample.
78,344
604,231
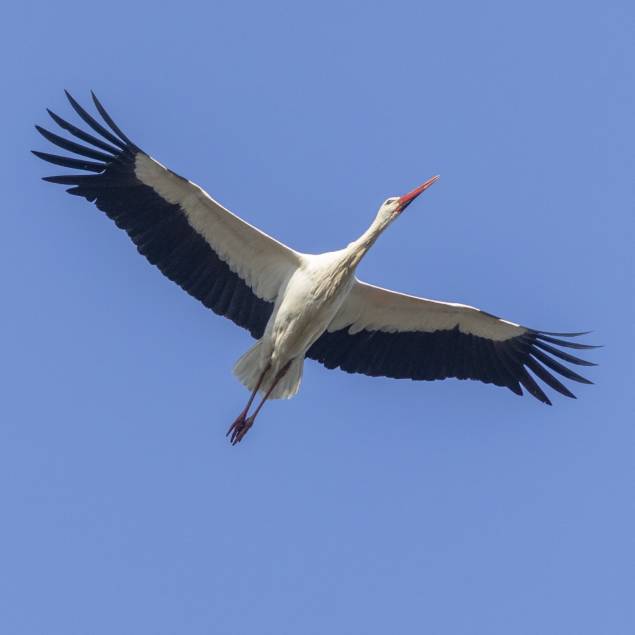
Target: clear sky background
363,506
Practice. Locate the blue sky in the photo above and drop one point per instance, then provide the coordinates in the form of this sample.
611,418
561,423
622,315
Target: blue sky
364,505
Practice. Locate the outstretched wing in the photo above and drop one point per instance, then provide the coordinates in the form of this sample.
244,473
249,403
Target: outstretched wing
229,265
379,332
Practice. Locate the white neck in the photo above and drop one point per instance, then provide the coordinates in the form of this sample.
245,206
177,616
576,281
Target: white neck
358,248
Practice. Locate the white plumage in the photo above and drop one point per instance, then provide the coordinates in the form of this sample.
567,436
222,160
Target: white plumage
297,305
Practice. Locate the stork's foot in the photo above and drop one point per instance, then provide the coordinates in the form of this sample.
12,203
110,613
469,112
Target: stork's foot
239,428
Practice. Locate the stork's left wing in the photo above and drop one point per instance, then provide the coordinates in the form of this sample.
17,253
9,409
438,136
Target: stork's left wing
379,332
230,266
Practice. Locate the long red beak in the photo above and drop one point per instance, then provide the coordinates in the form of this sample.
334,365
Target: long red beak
406,199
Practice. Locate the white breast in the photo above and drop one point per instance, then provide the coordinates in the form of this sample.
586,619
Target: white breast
312,297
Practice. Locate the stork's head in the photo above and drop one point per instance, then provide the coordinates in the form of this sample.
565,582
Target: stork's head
393,206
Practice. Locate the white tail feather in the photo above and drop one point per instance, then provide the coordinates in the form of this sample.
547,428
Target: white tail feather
250,366
289,383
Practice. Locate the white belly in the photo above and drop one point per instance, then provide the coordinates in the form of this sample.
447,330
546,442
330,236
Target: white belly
311,300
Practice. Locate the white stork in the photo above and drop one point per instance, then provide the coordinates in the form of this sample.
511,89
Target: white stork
297,305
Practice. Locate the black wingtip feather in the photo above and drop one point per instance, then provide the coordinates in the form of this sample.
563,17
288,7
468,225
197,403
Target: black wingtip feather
566,343
84,136
544,375
67,162
564,334
93,123
71,146
558,367
108,119
515,367
572,359
88,180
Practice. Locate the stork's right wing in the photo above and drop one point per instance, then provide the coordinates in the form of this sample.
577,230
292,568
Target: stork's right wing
383,333
226,263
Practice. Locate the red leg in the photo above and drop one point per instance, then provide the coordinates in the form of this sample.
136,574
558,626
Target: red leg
236,428
237,435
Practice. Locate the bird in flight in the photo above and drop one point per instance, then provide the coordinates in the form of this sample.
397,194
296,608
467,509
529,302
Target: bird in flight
297,305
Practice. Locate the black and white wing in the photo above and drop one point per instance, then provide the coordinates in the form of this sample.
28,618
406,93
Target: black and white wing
226,263
379,332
